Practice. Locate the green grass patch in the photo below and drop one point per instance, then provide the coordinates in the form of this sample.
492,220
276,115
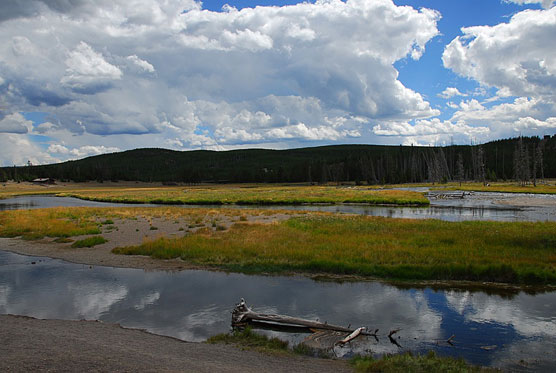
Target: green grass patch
508,252
408,362
107,222
246,338
89,242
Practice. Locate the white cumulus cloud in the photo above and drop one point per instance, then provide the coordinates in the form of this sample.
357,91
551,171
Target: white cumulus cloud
450,92
517,57
87,69
15,123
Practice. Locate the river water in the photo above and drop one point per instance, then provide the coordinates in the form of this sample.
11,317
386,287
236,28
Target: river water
512,329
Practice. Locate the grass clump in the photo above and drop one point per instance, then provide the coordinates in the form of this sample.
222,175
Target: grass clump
414,363
513,252
107,222
89,242
246,338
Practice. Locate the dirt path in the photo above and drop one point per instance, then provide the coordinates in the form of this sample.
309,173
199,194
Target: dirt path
77,346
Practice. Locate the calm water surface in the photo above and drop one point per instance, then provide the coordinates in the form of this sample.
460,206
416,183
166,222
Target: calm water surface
477,206
496,330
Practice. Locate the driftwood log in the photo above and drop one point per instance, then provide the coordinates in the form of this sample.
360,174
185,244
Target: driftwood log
242,315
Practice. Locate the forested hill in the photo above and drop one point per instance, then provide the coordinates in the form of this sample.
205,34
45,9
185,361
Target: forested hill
521,158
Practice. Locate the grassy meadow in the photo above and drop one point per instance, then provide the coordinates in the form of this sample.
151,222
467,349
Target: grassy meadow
509,252
372,246
254,195
248,194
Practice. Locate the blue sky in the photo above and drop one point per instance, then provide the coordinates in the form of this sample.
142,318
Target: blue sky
79,79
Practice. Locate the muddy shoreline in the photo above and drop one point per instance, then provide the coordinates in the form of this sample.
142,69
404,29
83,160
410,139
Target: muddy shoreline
30,344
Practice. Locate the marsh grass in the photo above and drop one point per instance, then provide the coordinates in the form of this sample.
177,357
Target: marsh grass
89,242
36,224
373,246
77,221
509,252
252,195
408,362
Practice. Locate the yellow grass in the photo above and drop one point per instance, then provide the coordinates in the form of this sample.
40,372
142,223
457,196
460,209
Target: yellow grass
511,252
257,194
401,248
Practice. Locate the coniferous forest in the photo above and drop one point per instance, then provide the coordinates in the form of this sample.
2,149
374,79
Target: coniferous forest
525,159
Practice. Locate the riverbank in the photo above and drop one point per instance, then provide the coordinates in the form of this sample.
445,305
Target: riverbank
285,242
30,344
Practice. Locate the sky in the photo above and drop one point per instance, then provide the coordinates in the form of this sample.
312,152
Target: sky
81,78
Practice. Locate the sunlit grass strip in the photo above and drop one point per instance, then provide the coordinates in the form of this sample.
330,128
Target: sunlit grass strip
36,224
374,246
408,362
258,195
76,221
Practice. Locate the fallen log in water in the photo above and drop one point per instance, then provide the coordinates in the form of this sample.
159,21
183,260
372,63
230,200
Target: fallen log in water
243,314
356,333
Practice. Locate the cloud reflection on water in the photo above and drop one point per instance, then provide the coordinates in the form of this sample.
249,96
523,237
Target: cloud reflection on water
194,305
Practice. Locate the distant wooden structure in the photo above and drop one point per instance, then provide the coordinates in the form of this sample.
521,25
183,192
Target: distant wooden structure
44,181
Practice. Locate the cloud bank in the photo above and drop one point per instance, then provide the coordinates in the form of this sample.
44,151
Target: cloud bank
189,77
123,74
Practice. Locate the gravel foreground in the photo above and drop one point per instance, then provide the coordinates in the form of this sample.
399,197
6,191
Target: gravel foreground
29,344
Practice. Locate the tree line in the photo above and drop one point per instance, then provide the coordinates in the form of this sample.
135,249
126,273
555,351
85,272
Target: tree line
525,159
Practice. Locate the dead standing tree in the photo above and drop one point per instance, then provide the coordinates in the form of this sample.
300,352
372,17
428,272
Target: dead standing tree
522,172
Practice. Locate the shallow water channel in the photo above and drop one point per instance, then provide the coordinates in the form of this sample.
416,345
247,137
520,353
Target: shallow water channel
511,330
